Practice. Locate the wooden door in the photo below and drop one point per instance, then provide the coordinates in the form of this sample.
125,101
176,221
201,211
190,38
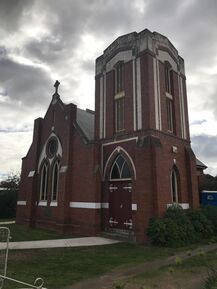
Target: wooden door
120,205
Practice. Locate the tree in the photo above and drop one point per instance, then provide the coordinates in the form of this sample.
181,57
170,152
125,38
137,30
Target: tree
209,183
8,195
11,182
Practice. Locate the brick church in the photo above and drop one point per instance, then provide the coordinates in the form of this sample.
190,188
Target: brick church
113,169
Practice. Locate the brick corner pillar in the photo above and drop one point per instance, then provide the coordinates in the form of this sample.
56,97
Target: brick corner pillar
192,178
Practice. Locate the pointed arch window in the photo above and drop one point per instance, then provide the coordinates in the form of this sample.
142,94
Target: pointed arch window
174,185
119,77
168,78
120,169
55,181
44,183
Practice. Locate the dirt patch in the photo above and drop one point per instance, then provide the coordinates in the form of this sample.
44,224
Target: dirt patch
167,280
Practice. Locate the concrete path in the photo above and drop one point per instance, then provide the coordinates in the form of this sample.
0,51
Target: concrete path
59,243
7,223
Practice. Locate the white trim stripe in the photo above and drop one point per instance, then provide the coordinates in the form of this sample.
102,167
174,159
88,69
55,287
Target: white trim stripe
119,141
139,95
104,106
88,205
92,205
157,94
209,192
134,207
182,107
104,205
134,94
21,203
101,108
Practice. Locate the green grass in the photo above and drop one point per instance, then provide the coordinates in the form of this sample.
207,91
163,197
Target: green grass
62,267
22,233
65,266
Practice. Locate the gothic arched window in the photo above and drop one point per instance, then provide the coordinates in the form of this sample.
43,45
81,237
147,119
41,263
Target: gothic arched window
174,186
168,78
55,181
44,183
120,169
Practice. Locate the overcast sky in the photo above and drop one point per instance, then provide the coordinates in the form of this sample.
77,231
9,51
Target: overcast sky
41,41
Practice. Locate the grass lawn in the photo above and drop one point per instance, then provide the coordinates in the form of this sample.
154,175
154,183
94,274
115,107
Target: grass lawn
22,233
62,267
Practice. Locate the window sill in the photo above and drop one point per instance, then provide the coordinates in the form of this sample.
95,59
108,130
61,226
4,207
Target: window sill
169,95
53,204
184,206
118,132
119,94
171,132
42,204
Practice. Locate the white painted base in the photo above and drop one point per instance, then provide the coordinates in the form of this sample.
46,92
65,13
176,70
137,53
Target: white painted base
184,206
21,203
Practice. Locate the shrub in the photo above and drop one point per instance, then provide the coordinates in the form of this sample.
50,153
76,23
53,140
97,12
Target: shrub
163,232
185,227
8,202
202,225
211,213
181,227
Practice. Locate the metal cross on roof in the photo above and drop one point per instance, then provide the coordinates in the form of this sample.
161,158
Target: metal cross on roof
56,85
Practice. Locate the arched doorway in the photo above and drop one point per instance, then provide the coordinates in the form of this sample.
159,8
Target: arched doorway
120,195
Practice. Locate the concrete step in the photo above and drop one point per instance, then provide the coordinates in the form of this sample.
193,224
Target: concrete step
119,234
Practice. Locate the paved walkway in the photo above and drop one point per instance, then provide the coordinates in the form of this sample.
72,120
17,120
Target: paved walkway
60,243
7,223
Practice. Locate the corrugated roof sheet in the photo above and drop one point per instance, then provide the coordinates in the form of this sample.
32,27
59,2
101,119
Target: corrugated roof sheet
85,120
200,164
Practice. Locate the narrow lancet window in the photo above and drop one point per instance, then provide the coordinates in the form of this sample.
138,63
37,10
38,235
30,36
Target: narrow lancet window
55,181
44,183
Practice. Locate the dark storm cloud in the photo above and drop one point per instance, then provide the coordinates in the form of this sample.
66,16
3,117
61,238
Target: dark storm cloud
109,17
58,46
191,24
68,21
11,12
47,50
24,83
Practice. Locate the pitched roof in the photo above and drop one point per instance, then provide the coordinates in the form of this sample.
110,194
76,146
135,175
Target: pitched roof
85,120
200,164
